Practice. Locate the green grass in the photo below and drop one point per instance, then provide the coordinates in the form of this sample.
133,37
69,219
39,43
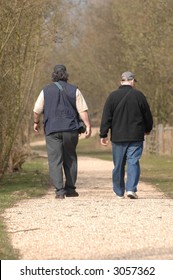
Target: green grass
31,182
158,171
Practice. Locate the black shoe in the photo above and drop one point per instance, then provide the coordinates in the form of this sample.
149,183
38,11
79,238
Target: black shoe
73,194
60,196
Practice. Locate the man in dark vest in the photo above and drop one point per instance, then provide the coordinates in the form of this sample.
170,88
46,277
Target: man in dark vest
62,104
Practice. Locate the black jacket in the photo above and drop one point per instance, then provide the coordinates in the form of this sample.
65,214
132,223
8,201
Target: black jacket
127,114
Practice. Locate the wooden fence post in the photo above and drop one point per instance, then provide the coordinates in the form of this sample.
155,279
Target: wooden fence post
159,138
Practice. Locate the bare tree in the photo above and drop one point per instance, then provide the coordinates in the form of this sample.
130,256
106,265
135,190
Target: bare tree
24,26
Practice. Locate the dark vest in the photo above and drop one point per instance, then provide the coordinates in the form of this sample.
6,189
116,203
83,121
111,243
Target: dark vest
60,113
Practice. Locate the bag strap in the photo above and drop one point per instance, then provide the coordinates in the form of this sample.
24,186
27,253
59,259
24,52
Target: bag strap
121,101
59,86
65,95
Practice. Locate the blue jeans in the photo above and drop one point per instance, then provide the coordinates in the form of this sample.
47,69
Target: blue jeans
130,153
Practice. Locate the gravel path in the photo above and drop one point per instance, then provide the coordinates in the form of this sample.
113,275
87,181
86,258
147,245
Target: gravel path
95,225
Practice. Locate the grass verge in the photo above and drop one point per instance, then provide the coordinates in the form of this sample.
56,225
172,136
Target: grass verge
31,182
157,170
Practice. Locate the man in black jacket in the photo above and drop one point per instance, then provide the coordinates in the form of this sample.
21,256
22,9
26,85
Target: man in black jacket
127,114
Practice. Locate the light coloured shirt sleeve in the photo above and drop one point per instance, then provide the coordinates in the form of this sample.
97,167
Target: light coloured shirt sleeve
39,104
80,102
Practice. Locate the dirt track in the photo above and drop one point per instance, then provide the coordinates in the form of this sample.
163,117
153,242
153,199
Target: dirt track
95,225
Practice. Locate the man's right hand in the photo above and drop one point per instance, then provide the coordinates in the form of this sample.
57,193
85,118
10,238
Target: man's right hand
36,127
104,141
88,132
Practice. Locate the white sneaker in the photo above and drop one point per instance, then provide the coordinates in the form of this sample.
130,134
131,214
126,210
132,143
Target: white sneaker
132,195
121,197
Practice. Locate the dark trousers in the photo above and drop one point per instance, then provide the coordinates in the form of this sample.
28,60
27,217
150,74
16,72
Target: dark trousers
62,159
